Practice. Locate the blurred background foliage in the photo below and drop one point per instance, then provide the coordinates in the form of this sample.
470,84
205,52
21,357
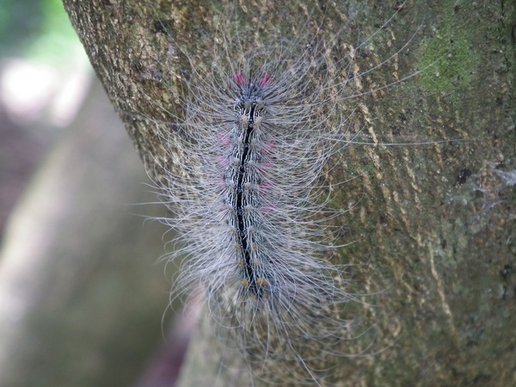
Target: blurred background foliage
37,30
44,76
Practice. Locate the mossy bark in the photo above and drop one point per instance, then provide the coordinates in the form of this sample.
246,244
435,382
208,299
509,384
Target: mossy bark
433,225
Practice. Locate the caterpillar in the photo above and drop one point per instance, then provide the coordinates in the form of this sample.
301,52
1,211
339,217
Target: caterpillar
252,199
251,218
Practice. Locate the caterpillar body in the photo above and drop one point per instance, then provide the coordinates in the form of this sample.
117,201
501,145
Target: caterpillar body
250,216
255,237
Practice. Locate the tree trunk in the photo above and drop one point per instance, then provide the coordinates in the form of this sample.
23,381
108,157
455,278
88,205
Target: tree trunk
433,224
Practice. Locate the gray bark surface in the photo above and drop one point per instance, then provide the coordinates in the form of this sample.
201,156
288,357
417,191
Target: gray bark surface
433,226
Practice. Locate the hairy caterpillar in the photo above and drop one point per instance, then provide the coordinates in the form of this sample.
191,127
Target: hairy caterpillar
260,130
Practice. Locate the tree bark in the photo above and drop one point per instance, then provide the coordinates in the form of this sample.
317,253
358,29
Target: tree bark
433,226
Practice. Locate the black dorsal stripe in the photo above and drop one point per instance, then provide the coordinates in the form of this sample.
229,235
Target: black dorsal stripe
248,268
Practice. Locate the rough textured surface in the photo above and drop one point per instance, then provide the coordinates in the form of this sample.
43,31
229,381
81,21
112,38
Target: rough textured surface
434,226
